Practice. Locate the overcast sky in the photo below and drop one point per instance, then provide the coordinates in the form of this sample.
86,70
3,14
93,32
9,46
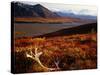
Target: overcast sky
76,9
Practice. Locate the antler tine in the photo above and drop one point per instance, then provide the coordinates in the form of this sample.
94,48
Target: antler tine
29,56
57,64
36,48
35,56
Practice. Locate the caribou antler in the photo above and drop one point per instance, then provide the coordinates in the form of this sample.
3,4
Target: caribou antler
35,56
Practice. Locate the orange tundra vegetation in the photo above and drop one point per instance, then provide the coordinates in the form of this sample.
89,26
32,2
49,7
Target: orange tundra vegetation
46,20
71,52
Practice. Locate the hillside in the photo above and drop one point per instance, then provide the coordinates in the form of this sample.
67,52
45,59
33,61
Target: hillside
74,30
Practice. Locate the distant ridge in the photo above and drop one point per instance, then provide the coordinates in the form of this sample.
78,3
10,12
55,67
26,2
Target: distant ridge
73,15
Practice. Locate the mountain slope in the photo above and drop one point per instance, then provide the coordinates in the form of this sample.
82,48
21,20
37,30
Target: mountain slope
44,12
22,10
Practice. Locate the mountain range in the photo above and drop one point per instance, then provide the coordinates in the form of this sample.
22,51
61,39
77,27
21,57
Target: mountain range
26,10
